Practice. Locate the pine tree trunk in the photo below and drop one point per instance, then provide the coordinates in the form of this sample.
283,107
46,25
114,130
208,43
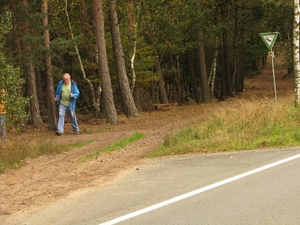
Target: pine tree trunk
91,72
109,105
40,92
50,104
126,94
163,98
202,64
88,48
94,96
239,80
31,79
161,84
137,96
192,74
33,102
223,76
226,64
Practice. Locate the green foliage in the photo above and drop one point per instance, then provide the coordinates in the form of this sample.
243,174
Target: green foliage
160,28
278,16
12,83
5,26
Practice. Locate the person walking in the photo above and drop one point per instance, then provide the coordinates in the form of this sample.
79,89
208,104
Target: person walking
65,97
2,116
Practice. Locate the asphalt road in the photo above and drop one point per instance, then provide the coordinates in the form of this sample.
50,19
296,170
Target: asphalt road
247,187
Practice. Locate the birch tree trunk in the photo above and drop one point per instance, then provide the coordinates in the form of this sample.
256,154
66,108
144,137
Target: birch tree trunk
109,105
132,28
213,71
50,104
126,94
296,52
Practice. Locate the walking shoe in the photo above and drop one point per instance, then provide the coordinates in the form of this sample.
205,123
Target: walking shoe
76,132
58,133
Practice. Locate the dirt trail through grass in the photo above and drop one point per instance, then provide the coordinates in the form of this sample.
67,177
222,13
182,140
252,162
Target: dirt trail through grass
49,178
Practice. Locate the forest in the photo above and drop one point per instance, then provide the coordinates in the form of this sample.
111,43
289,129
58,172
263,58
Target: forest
126,55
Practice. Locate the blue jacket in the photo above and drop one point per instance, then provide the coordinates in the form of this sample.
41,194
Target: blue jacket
74,91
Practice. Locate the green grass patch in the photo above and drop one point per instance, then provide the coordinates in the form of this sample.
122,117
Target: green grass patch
114,147
262,126
12,155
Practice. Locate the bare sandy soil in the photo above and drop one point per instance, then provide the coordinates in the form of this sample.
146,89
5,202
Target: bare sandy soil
50,178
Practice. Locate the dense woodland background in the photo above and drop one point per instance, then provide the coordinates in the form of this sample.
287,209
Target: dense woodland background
127,55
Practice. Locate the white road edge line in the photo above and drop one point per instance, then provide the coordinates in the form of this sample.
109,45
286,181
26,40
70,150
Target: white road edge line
198,191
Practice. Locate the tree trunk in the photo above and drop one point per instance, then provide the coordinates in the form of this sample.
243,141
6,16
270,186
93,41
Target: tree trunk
109,105
31,79
228,80
50,104
126,94
296,51
40,92
132,25
95,96
239,80
202,64
161,84
88,48
163,98
213,71
223,76
192,74
137,96
226,64
33,102
89,51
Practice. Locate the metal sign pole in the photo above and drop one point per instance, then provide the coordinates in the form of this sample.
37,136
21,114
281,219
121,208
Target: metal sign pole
269,39
273,71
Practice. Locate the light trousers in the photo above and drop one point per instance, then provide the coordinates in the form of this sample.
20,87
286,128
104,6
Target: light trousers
62,109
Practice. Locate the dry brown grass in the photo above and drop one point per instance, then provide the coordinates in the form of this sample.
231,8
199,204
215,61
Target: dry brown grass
238,126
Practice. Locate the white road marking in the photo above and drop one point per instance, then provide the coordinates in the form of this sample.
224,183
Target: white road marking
198,191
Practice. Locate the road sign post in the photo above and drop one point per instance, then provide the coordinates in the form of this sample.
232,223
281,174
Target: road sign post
269,40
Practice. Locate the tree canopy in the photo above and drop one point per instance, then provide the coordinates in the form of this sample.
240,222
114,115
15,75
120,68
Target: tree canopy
161,50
